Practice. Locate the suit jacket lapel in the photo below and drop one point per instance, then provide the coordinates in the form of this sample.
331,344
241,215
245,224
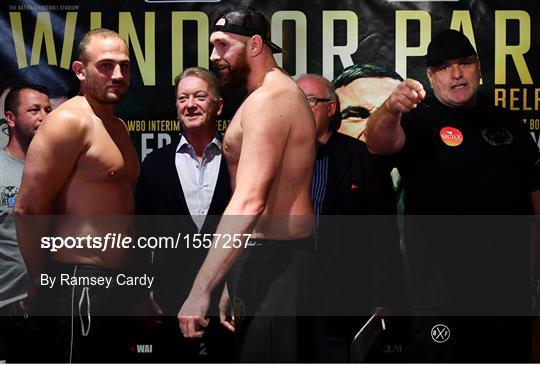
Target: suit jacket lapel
175,185
222,193
222,190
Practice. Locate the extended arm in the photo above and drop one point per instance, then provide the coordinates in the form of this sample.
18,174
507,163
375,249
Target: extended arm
384,134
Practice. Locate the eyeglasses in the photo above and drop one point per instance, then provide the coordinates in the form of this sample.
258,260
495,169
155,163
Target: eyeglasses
313,100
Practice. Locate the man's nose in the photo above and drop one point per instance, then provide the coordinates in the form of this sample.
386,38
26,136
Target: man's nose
214,56
42,114
455,71
190,102
117,73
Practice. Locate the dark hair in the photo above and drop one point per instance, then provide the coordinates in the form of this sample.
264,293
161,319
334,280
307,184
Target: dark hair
12,102
362,70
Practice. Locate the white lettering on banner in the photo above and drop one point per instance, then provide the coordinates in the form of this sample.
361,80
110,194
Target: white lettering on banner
330,50
300,23
402,50
163,139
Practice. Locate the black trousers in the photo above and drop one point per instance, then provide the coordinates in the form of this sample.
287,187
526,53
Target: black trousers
87,323
17,336
269,290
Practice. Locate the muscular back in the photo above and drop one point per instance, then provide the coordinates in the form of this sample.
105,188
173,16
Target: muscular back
270,150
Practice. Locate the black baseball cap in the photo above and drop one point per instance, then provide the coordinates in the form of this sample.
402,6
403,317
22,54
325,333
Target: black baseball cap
246,21
448,45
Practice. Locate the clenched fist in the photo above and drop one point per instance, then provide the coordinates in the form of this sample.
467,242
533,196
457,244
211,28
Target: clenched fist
405,97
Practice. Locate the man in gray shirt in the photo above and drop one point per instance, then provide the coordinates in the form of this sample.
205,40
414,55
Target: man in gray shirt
25,109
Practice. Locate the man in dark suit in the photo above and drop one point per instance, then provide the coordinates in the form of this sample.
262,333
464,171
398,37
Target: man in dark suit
183,189
358,260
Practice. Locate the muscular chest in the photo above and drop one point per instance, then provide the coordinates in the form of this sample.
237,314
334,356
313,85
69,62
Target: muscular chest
110,157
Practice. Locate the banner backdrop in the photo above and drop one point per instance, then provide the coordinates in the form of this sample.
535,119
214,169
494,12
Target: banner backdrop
39,42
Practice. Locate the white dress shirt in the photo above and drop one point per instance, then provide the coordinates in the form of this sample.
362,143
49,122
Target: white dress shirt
198,179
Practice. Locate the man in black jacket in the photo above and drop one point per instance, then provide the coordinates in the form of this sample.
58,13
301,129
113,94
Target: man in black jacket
357,257
183,189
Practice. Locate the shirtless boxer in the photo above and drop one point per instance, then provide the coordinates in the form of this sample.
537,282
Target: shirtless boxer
270,150
81,165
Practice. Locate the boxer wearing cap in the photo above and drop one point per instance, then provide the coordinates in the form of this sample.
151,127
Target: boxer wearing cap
270,151
248,23
459,155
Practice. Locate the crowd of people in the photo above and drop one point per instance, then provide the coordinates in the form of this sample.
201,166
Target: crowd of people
295,204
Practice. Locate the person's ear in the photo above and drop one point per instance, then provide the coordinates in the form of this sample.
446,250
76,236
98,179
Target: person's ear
256,45
78,68
219,104
332,106
10,119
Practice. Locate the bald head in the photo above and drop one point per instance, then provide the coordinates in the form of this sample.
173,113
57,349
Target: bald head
102,33
323,102
330,93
